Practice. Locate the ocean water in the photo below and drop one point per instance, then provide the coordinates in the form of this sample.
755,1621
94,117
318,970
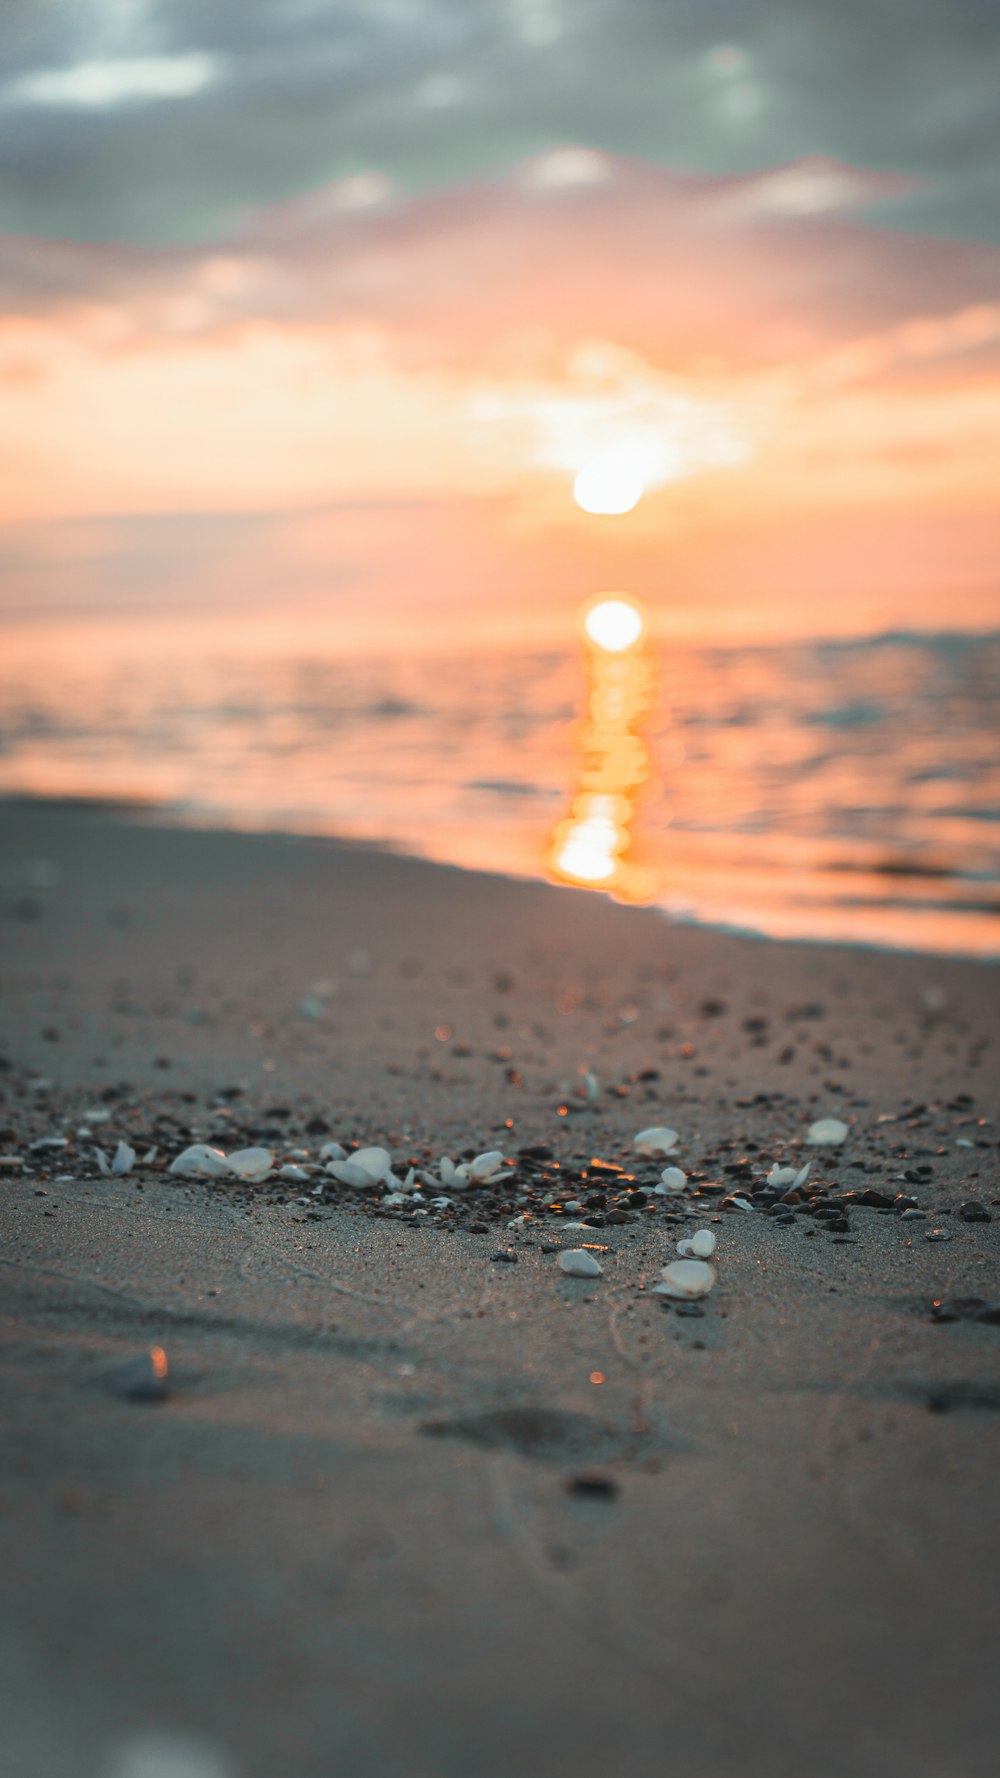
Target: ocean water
842,790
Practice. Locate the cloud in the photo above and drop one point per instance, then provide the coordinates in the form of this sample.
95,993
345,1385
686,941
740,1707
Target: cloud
168,120
100,85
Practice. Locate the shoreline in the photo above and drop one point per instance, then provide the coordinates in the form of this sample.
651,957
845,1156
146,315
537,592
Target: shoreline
140,813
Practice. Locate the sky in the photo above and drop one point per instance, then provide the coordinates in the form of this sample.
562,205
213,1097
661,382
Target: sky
319,308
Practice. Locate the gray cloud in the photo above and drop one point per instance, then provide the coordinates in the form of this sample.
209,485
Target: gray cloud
295,93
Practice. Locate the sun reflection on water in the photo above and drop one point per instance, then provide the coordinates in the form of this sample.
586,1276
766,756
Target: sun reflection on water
592,847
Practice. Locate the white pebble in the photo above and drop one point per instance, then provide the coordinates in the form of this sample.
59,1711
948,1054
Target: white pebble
486,1166
124,1159
251,1163
350,1174
579,1263
686,1278
375,1161
788,1176
332,1151
829,1132
700,1245
672,1179
298,1175
658,1140
200,1162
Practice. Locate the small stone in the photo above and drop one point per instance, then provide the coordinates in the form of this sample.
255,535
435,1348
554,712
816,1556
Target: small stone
686,1278
579,1263
143,1378
913,1215
505,1256
656,1140
828,1132
973,1212
937,1235
700,1245
200,1162
593,1482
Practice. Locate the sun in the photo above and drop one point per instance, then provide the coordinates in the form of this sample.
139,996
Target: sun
613,624
610,483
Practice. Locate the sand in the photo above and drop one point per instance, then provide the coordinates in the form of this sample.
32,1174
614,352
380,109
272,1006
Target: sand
347,1542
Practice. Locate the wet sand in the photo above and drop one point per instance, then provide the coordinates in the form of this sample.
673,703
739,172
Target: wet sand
348,1540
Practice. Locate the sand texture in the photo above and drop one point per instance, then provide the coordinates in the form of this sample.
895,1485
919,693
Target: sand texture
413,1511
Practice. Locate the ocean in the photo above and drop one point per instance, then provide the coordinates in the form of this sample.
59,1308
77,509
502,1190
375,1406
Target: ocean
845,790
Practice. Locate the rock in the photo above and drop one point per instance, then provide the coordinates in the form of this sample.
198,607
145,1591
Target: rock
200,1162
656,1140
506,1256
973,1212
686,1278
596,1483
700,1245
579,1263
828,1132
143,1378
251,1163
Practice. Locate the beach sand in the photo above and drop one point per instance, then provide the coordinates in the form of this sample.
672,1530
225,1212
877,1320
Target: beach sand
351,1540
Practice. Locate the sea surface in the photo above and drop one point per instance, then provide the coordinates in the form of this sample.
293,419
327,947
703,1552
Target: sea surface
847,790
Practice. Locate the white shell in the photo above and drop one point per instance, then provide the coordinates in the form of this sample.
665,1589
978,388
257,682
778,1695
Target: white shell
298,1175
251,1163
829,1132
124,1159
394,1198
349,1174
200,1162
332,1151
486,1166
700,1245
658,1140
579,1263
789,1176
672,1179
686,1278
376,1162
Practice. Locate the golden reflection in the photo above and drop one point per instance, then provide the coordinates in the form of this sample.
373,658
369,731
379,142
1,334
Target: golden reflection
591,847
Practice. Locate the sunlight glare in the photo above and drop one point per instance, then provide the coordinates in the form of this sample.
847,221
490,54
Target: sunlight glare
610,483
613,624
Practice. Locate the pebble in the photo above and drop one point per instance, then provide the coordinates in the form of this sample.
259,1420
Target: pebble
686,1278
973,1212
827,1132
938,1235
200,1162
251,1163
579,1263
655,1140
700,1245
913,1215
143,1378
505,1256
592,1482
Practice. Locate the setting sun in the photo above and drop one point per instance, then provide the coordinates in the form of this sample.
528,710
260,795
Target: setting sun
609,484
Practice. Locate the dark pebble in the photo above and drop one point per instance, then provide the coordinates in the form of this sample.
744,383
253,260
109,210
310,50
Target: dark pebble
593,1482
143,1378
505,1257
973,1212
